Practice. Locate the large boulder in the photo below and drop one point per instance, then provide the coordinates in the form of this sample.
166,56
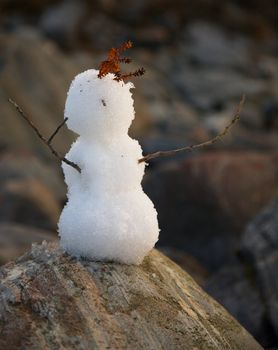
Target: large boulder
49,300
205,201
247,287
233,286
259,247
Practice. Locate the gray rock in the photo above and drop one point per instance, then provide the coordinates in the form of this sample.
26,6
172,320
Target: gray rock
31,192
210,46
25,166
79,304
102,32
260,246
37,76
28,201
128,11
156,98
233,286
60,22
261,236
16,239
206,88
153,35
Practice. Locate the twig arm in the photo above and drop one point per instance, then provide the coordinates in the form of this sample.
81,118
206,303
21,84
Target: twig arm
235,119
56,131
45,141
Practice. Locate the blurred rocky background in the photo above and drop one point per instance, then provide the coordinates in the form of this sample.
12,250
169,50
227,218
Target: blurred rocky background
218,208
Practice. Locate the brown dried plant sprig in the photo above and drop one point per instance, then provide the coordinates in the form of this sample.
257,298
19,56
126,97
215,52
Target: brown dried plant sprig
136,73
210,142
46,141
112,64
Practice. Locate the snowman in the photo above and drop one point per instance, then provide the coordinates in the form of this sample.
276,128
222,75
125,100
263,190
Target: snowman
108,216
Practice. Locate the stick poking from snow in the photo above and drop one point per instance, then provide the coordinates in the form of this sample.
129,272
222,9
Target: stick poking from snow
45,141
56,131
235,119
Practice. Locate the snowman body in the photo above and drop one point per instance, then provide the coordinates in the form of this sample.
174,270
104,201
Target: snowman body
108,216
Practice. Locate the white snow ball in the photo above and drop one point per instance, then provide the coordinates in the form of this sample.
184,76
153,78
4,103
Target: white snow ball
122,228
112,168
99,108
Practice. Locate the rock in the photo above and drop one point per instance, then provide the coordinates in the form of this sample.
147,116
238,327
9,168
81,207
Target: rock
36,75
113,33
270,120
23,166
248,289
233,286
205,201
261,238
16,239
28,201
255,140
249,133
209,45
50,300
129,11
153,36
252,116
31,192
207,88
156,100
61,21
215,123
188,263
259,246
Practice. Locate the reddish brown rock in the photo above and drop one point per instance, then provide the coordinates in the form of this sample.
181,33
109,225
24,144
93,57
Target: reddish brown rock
240,183
205,201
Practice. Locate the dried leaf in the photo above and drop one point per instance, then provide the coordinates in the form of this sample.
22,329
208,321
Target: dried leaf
112,64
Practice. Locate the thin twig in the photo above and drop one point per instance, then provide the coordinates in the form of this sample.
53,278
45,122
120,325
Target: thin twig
137,73
235,119
46,142
56,131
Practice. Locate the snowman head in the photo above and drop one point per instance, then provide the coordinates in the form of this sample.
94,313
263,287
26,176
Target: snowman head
99,103
99,108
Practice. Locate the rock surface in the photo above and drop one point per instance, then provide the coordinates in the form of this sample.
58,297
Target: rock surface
259,246
233,287
247,286
49,300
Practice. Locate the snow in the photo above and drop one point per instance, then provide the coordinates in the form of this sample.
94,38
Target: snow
108,216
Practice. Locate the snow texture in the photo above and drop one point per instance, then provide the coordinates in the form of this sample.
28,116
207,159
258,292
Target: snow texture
107,216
